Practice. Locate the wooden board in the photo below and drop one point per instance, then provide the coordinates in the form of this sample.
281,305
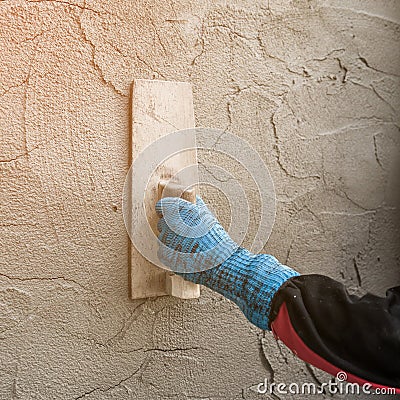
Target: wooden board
159,108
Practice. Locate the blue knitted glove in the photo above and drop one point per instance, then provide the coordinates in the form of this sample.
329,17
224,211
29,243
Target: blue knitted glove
194,245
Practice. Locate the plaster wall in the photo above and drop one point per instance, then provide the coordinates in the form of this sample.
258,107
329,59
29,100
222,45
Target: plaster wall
312,85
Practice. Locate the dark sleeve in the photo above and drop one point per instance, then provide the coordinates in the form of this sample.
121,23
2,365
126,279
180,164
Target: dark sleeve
327,327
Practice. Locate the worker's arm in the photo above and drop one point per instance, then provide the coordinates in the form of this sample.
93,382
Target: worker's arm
312,314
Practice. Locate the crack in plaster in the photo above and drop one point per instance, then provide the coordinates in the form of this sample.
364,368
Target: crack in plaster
48,279
376,151
217,178
85,38
264,359
134,315
367,64
278,150
143,365
82,7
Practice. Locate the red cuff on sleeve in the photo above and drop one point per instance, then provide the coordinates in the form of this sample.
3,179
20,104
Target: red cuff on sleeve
284,331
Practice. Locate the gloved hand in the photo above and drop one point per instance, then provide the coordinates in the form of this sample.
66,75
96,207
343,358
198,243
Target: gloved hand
192,239
194,244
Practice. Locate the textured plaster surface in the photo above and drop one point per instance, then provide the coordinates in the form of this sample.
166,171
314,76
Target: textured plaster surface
312,85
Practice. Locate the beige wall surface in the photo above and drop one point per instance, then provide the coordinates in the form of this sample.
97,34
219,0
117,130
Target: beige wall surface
313,85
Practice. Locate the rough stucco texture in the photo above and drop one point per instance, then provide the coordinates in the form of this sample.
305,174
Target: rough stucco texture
312,85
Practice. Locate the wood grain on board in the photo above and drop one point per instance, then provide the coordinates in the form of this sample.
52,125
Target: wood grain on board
159,108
